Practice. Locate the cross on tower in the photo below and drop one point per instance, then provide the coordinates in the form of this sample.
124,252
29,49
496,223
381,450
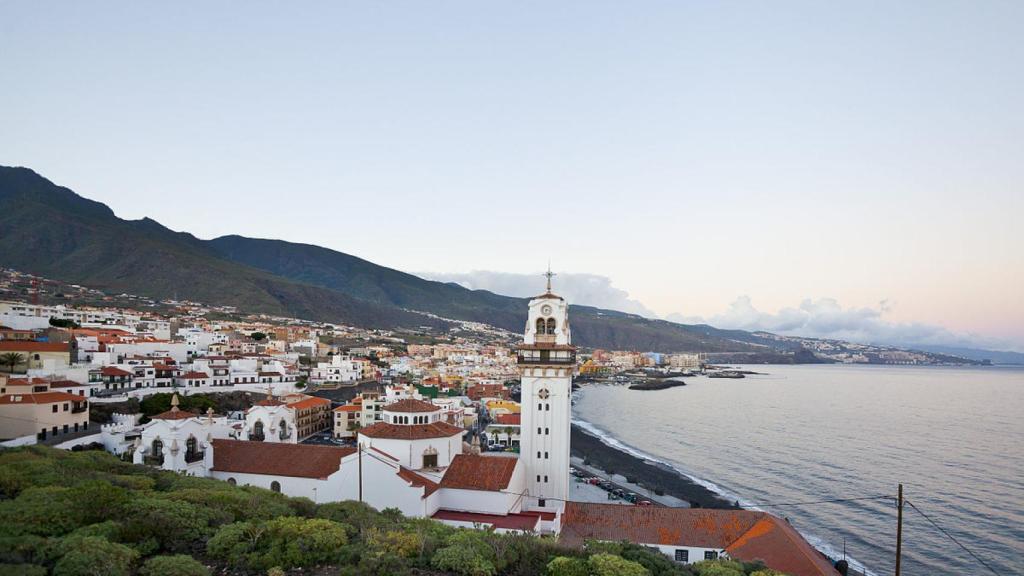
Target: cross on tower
549,275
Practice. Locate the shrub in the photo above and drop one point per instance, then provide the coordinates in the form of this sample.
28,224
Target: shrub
358,515
719,568
287,542
401,543
157,523
92,556
25,549
608,565
177,565
565,566
465,561
302,507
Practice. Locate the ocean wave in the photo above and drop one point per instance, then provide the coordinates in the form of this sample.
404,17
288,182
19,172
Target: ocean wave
610,440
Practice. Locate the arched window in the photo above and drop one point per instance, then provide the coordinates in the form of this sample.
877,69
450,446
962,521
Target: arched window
551,325
257,431
232,481
540,325
430,457
284,434
158,451
192,449
275,486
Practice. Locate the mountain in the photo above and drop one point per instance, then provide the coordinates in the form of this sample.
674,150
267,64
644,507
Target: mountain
49,230
995,356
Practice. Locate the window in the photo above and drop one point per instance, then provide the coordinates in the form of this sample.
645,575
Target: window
711,555
257,431
538,453
232,481
682,555
540,325
65,406
430,460
545,455
275,486
540,407
545,478
538,475
541,502
551,325
538,429
54,407
547,431
547,407
66,428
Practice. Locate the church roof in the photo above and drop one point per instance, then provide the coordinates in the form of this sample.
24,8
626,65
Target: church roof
417,480
411,405
410,431
277,459
474,472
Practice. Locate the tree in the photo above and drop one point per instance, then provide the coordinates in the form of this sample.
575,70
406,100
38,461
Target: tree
11,359
63,323
92,556
258,336
565,566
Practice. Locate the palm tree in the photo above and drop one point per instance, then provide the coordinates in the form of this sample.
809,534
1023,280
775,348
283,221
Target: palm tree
11,359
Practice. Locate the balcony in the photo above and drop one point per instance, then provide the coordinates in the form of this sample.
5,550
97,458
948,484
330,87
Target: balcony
545,357
191,457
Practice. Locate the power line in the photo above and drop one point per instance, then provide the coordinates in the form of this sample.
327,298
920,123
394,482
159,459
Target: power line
830,501
951,537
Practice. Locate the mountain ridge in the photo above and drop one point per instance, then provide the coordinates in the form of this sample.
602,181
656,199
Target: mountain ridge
50,230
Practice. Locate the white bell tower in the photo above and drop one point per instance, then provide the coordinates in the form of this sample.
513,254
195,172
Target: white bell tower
547,361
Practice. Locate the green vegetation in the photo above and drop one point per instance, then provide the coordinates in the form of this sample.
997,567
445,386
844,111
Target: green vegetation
258,336
63,323
88,513
11,360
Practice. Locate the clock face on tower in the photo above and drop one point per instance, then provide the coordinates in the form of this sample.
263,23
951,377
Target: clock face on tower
543,393
545,310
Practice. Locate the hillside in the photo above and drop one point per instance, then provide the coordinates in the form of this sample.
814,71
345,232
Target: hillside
49,230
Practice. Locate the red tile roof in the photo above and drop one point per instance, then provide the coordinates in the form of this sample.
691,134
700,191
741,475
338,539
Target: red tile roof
508,419
174,415
64,384
309,403
744,534
194,375
411,431
25,346
411,405
524,522
115,371
41,398
348,408
277,459
474,472
418,481
270,402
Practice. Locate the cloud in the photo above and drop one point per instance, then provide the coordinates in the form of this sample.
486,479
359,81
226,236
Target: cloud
826,318
583,289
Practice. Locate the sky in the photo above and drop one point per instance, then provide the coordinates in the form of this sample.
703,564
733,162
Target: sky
852,166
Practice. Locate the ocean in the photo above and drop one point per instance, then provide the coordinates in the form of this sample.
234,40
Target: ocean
805,434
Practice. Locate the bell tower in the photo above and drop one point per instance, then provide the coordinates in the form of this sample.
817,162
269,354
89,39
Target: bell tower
547,361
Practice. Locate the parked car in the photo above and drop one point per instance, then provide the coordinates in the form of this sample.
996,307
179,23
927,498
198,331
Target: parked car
631,497
593,480
644,503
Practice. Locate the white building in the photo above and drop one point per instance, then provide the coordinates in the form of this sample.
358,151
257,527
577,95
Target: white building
339,370
547,361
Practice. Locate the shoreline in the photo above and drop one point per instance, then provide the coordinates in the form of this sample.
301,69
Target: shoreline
650,475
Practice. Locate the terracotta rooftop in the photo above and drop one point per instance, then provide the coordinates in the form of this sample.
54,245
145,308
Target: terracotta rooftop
270,402
473,472
27,346
508,419
418,481
746,535
524,522
115,371
411,431
348,408
277,459
311,402
194,375
173,414
411,405
41,398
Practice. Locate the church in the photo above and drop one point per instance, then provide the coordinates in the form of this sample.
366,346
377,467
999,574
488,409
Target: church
414,459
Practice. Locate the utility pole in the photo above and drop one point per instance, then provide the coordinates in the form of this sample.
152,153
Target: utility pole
360,448
899,529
